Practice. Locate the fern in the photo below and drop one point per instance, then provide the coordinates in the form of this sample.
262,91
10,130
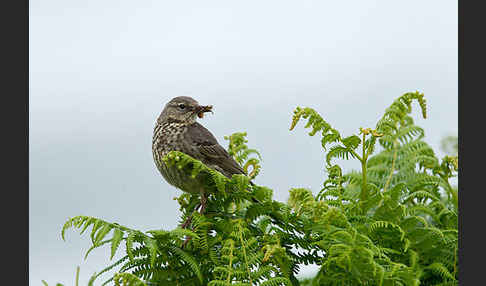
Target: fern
392,222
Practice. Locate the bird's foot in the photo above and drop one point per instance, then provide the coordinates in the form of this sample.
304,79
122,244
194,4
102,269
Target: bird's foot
188,221
204,200
185,241
202,206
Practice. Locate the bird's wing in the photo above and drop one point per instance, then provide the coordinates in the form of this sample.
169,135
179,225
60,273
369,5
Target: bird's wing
208,151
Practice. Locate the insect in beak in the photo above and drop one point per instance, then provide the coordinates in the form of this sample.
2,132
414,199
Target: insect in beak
201,109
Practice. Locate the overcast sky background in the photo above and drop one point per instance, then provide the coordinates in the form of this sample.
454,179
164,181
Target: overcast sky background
101,71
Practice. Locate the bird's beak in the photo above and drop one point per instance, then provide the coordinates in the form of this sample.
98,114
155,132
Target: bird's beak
201,109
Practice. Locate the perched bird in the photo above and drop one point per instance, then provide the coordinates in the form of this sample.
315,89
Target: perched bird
176,129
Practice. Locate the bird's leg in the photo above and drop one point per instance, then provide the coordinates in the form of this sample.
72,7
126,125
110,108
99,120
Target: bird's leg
187,222
185,241
204,200
202,204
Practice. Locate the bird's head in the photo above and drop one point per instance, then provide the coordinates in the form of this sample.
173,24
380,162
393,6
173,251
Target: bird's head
183,109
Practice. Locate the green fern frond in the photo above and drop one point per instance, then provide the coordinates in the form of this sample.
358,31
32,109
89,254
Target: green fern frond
127,279
276,281
393,222
398,112
440,269
241,153
374,227
115,241
339,152
351,142
190,260
332,137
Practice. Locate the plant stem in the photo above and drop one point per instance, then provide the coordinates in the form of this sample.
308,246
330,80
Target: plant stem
244,253
451,191
230,265
77,276
364,189
392,167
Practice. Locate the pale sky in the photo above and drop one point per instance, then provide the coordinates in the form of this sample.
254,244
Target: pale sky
101,71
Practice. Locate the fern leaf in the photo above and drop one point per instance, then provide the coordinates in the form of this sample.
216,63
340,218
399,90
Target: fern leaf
94,246
129,244
351,142
276,281
152,246
338,152
103,231
115,241
191,262
127,279
441,270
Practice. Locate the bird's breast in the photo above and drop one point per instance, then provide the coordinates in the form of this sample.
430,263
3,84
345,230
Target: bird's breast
168,137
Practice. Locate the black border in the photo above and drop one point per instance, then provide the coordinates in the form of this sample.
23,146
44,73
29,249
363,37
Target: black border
14,135
471,145
460,85
461,274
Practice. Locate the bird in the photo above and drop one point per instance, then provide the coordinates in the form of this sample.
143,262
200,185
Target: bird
177,129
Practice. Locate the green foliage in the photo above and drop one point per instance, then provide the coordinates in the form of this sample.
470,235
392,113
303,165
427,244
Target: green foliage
240,151
450,145
394,222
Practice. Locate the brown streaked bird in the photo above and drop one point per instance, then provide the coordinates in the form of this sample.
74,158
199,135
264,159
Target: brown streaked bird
176,129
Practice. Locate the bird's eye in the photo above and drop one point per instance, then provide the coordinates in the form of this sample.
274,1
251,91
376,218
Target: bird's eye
182,106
